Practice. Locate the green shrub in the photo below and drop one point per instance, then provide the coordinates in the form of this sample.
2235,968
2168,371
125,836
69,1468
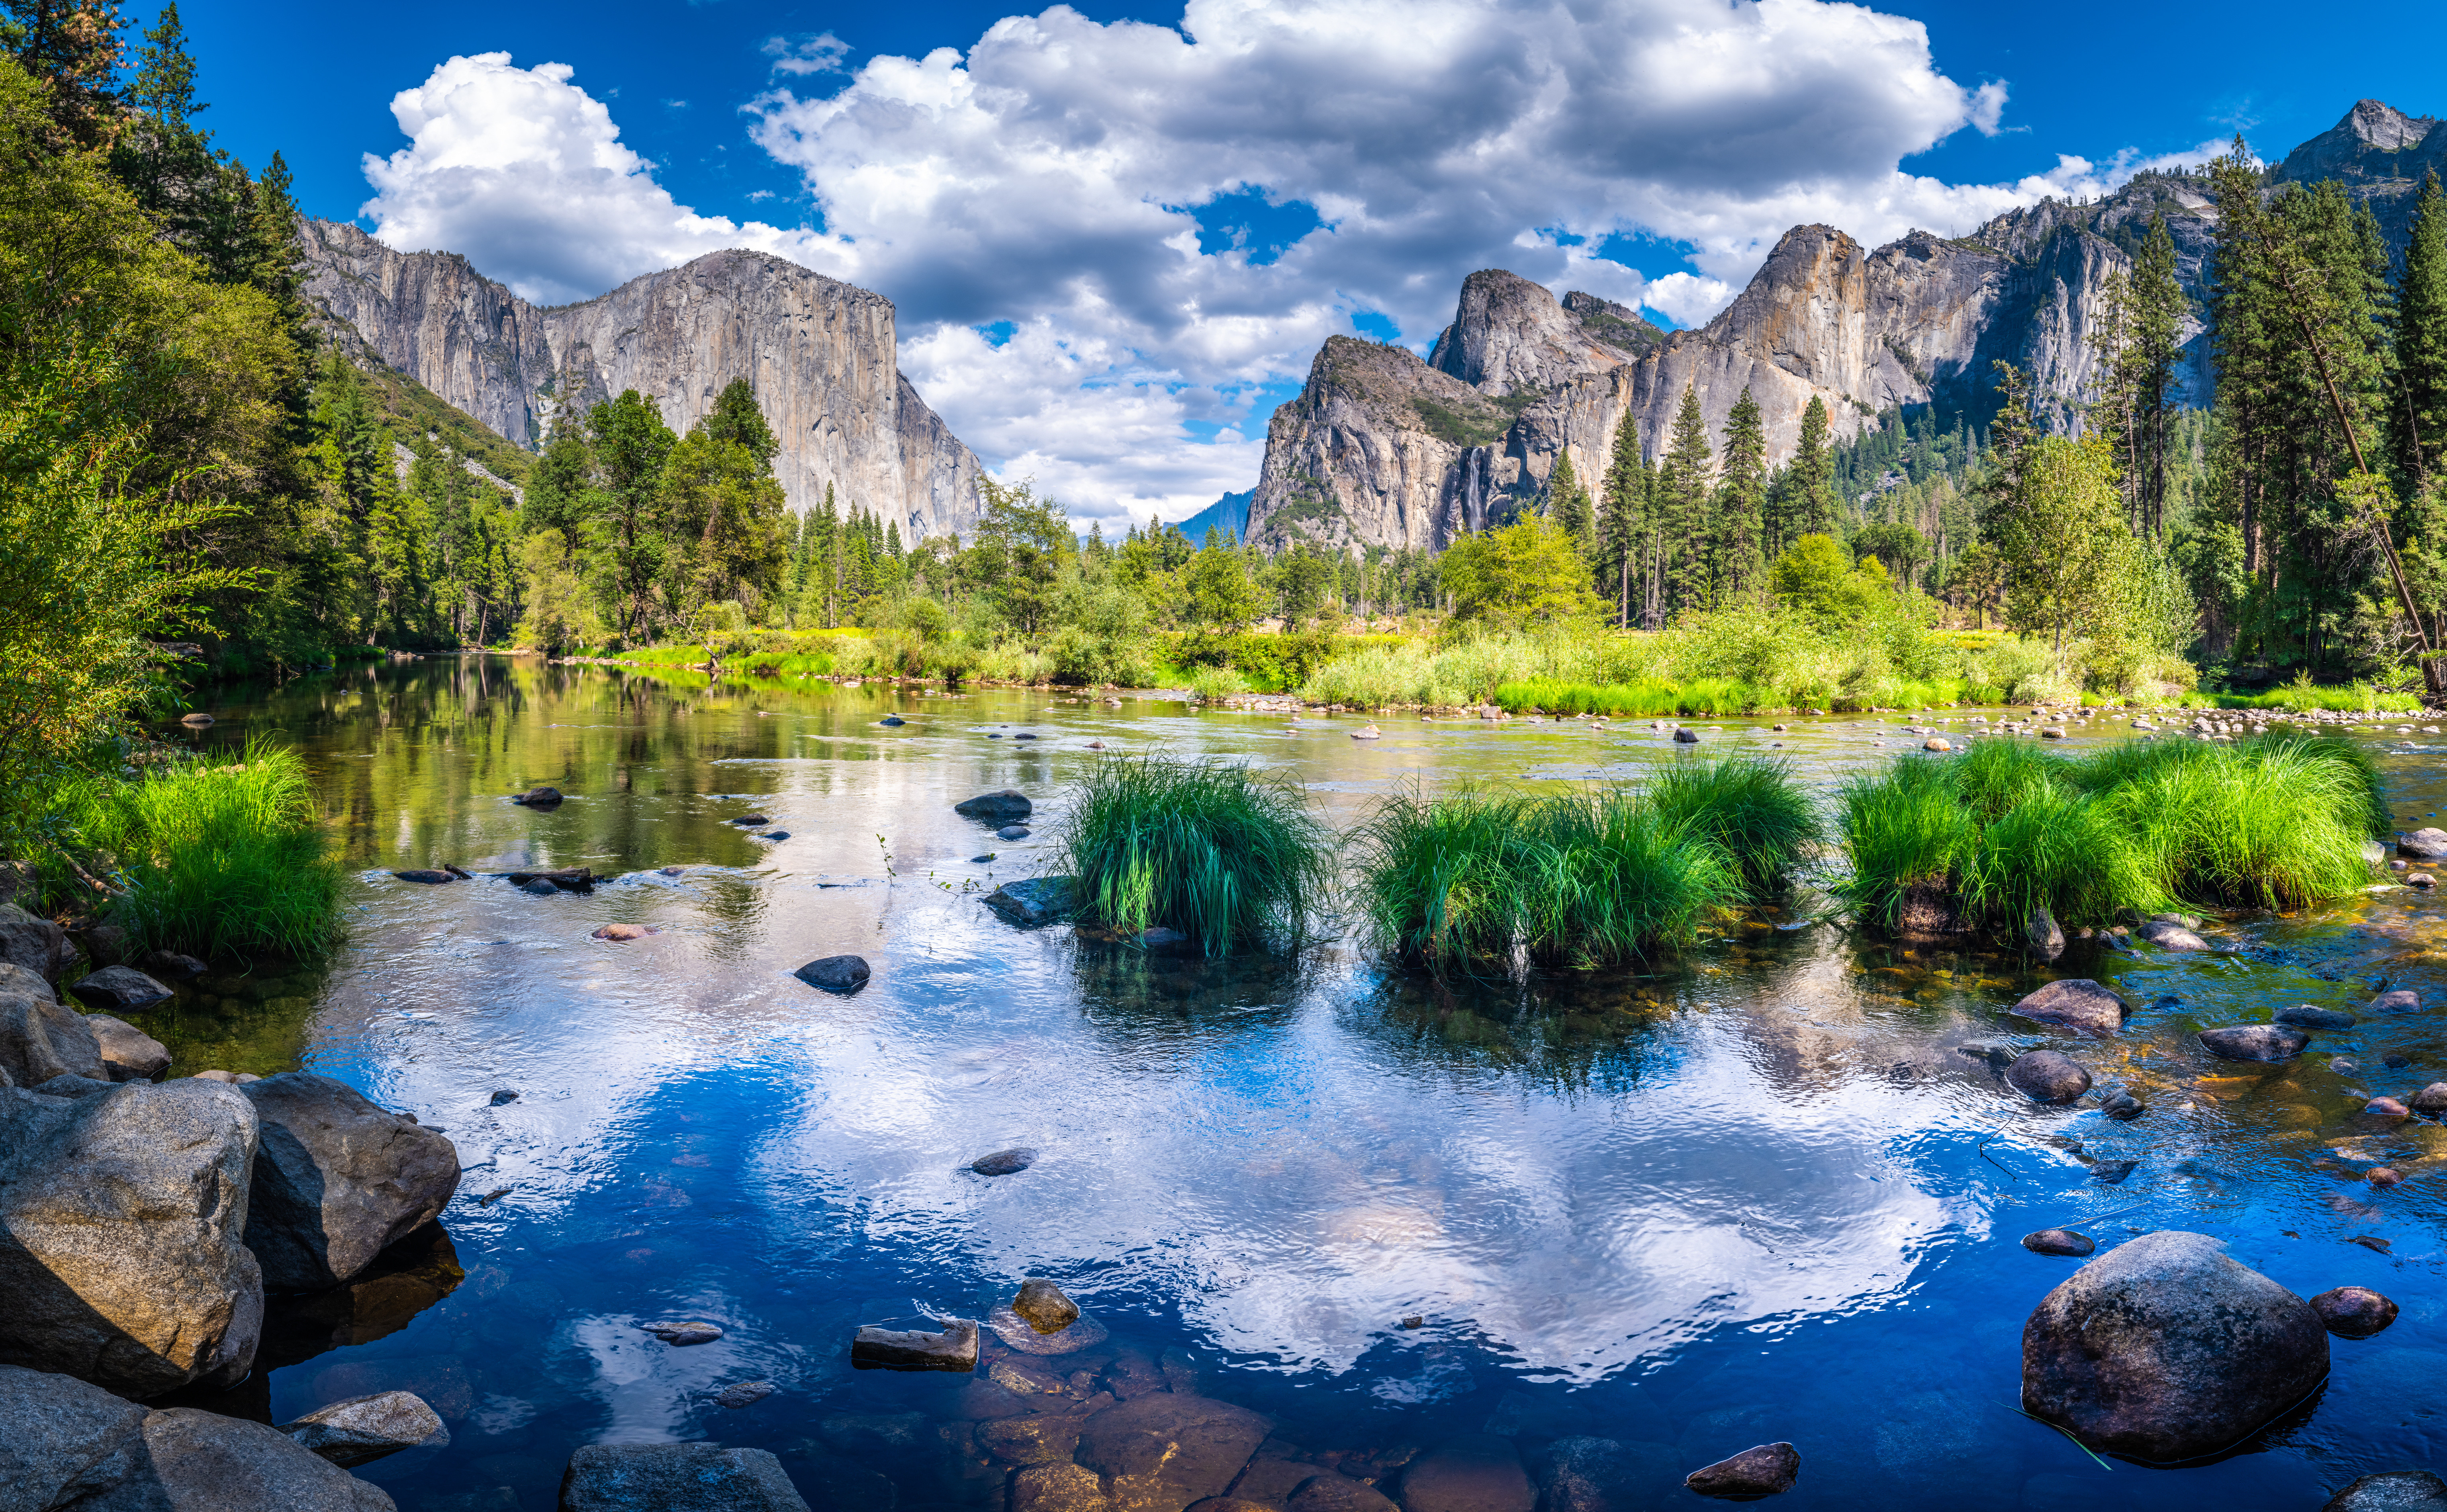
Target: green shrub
219,860
1224,854
1748,806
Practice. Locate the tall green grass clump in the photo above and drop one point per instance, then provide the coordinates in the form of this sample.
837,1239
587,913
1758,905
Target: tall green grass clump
2277,822
1903,830
221,860
1224,854
1577,880
1748,806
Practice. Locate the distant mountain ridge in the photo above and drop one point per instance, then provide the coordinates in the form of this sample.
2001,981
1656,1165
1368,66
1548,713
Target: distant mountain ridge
822,355
1381,448
1229,514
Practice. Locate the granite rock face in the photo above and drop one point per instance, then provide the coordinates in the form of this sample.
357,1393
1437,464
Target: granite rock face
821,353
201,1462
337,1180
1510,334
40,1037
122,1213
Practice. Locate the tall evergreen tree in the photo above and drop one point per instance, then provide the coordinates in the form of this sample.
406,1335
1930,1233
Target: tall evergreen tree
74,46
1621,508
1567,505
1687,479
2418,412
630,447
1811,510
2160,308
1741,499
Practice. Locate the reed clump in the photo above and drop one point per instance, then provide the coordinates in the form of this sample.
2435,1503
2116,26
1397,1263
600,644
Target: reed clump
2274,822
217,858
1224,854
1585,879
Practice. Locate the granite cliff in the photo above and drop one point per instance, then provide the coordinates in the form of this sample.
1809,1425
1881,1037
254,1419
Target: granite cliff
821,354
1354,458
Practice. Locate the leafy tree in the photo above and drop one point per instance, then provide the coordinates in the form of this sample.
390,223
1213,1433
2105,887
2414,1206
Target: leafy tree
1976,581
1525,573
725,508
1221,593
1900,548
1026,541
1816,577
630,445
558,487
1300,581
2071,564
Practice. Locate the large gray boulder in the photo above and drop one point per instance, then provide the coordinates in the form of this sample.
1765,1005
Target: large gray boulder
2168,1349
2425,844
62,1439
121,989
201,1462
675,1478
36,944
122,1213
128,1055
40,1037
337,1180
365,1428
995,808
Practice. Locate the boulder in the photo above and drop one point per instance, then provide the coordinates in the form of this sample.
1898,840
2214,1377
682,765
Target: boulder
2078,1003
1043,1307
1019,1334
2169,935
365,1428
41,1037
119,989
995,808
1766,1470
1685,735
201,1462
562,878
62,1439
2059,1241
2392,1491
124,1211
1004,1163
1163,1451
2354,1311
2306,1016
1034,901
2254,1041
430,876
2402,1000
128,1055
2431,1099
169,966
953,1348
36,944
2423,844
842,975
106,944
1335,1493
675,1478
538,798
1468,1472
337,1180
2044,1076
2168,1349
2042,931
681,1331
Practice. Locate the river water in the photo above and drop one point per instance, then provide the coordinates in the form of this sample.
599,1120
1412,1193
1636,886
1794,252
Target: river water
1760,1196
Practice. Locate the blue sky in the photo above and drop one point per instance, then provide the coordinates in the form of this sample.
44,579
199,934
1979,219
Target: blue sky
1108,283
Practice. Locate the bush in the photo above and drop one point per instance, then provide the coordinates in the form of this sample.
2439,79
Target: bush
218,860
1225,854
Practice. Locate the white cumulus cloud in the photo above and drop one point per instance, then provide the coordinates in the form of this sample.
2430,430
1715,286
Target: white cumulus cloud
1032,206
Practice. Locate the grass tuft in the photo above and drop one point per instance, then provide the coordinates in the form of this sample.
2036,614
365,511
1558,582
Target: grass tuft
1224,854
1750,807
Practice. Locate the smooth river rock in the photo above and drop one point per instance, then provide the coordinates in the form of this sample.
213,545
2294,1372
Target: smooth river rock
2423,844
2392,1491
2046,1076
124,1211
2060,1241
2306,1016
2402,1000
538,798
841,974
1163,1451
2254,1041
119,989
1043,1306
1468,1472
128,1055
1004,1163
995,808
40,1037
1034,901
2078,1003
2169,935
337,1180
2168,1349
365,1428
1766,1470
2354,1311
676,1478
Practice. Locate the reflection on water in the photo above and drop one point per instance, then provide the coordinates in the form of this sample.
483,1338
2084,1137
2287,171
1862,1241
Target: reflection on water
1763,1194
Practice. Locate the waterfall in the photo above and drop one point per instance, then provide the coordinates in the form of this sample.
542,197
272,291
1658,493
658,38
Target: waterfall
1475,465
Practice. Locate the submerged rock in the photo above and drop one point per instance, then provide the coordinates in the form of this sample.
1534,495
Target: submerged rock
743,1394
2402,1000
2075,1003
683,1332
430,875
2167,1348
1011,832
1163,1451
2306,1016
2386,1108
1036,900
337,1180
1063,1488
1002,808
124,1265
617,932
1021,1335
1043,1307
1334,1493
538,798
2254,1041
953,1348
2122,1104
2423,844
2354,1311
2044,1076
2059,1241
119,989
365,1428
2392,1491
676,1478
1470,1472
842,975
892,722
1766,1470
1004,1163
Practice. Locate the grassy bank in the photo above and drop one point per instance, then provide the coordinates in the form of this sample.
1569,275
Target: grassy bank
2275,822
1221,854
213,859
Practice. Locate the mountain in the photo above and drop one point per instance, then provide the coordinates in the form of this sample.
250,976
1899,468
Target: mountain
1229,514
1381,448
820,353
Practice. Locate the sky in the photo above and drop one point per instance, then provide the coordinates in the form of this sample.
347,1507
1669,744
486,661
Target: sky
1117,234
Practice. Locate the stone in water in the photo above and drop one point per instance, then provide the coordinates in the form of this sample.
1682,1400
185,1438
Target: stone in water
683,1332
1043,1307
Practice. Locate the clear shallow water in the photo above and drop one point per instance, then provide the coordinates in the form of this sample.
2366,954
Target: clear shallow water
1762,1196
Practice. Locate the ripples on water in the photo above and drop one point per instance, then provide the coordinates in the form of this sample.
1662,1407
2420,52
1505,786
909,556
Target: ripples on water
1762,1196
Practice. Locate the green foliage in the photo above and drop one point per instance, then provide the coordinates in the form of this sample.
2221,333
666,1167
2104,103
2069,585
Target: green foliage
1748,806
1225,855
217,860
1528,573
1903,830
1578,879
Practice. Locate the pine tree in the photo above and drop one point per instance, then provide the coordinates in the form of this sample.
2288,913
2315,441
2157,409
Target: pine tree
1567,505
2417,411
1741,499
1620,515
1689,472
1813,496
2160,308
74,45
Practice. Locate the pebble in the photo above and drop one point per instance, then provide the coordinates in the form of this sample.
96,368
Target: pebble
2386,1108
2354,1311
617,932
744,1393
2059,1241
677,1333
1004,1163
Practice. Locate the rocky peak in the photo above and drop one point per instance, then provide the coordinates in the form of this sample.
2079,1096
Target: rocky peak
1509,333
1617,325
2374,142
